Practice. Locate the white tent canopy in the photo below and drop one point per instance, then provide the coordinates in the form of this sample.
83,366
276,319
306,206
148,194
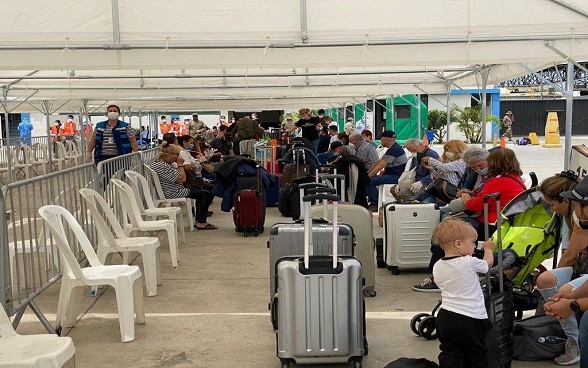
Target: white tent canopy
184,55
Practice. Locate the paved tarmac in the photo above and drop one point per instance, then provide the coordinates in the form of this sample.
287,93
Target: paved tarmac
212,311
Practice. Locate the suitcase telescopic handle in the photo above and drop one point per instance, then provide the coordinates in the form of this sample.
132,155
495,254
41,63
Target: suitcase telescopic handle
311,191
487,197
307,200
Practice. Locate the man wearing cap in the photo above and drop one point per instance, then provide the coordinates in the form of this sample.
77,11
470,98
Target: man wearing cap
196,126
507,121
572,297
393,162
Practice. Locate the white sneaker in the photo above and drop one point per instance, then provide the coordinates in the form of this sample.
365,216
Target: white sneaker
571,354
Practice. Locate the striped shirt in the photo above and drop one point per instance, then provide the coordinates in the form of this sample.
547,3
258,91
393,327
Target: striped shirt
108,143
168,175
453,171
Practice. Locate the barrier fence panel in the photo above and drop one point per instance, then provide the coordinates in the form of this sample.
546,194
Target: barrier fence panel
29,259
28,254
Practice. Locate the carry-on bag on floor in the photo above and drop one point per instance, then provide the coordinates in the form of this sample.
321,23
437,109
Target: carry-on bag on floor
360,219
319,304
289,201
287,240
249,208
408,229
499,303
272,193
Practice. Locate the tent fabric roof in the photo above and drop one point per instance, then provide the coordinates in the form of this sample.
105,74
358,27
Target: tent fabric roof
181,55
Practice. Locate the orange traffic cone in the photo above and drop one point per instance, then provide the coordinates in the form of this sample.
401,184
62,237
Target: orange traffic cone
503,142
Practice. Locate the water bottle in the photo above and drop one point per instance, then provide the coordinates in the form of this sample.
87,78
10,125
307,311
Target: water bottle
551,340
198,169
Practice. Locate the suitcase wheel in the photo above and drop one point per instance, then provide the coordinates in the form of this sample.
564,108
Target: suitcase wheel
416,321
370,293
381,262
427,328
394,269
355,364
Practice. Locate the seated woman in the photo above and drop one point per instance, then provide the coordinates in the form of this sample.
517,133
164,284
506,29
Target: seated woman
550,281
504,176
186,143
172,178
451,167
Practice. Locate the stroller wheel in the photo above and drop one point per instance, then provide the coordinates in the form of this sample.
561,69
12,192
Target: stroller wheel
427,328
415,322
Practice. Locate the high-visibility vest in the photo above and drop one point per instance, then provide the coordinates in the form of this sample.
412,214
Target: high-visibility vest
88,130
181,129
164,128
55,132
69,129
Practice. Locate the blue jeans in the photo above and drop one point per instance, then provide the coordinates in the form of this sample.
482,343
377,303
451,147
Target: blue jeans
584,341
570,324
315,143
372,188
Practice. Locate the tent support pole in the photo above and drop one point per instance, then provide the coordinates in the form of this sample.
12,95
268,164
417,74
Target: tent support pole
569,111
448,105
484,73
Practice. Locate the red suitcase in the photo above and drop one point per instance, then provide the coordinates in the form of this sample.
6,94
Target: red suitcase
248,211
249,208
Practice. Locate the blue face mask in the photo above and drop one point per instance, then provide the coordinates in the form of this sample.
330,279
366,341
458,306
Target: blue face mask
483,172
190,147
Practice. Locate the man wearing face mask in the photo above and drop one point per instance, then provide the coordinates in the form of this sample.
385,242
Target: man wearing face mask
572,297
69,128
111,138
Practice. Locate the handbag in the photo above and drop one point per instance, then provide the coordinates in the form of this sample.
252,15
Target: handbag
442,190
192,181
580,266
404,183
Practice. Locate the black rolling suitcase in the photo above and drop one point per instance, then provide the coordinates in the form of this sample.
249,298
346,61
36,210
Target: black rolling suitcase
499,304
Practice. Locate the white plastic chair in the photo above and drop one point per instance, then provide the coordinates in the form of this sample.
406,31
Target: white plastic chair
33,351
147,206
131,212
159,198
72,152
125,279
112,239
39,157
64,154
21,157
57,158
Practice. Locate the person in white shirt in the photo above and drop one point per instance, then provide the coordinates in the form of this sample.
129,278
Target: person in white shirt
462,321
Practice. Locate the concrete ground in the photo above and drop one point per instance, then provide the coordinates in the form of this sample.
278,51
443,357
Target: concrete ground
212,311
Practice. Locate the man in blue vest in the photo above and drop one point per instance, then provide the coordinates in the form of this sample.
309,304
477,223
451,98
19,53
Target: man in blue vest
111,138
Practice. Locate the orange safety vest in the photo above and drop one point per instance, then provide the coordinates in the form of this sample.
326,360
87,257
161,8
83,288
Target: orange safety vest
164,128
88,130
69,129
55,132
181,129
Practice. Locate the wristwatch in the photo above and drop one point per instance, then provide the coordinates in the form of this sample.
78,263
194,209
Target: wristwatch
574,306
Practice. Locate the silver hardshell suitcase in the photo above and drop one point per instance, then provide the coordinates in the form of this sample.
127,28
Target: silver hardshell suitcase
287,240
360,219
408,229
319,305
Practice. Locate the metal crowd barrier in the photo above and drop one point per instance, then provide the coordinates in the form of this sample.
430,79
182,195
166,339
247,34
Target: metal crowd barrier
29,261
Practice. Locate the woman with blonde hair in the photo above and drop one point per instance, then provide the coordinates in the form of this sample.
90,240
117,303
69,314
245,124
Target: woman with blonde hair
450,167
172,177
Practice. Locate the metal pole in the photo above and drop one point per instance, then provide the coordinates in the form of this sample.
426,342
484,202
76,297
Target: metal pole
569,111
484,73
448,105
418,106
7,129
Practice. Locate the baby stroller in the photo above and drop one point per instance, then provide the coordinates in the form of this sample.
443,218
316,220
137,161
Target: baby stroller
530,229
